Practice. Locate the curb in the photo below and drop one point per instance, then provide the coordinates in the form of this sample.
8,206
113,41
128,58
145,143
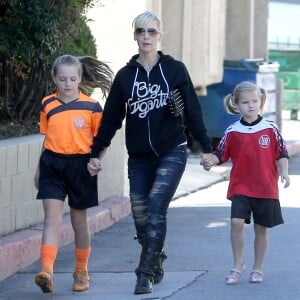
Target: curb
22,248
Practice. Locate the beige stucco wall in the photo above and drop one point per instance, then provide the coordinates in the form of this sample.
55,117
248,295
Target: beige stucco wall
193,31
110,24
246,29
19,158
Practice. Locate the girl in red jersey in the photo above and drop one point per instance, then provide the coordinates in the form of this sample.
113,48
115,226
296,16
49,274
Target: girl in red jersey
69,119
256,149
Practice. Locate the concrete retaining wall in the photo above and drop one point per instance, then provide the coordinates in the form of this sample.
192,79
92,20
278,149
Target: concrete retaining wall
19,157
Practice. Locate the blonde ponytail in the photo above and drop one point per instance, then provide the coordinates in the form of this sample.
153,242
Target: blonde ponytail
95,74
229,104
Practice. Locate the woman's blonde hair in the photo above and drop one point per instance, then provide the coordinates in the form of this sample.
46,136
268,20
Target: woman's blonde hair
144,18
93,72
231,100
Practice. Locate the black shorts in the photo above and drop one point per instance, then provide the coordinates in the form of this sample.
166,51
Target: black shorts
67,175
266,212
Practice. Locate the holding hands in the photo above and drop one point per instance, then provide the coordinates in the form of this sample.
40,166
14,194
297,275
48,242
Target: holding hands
94,166
209,160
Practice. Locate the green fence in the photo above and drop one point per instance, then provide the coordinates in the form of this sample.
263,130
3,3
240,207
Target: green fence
289,72
289,60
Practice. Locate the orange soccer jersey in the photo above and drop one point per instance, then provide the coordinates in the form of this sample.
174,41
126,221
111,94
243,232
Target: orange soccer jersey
69,127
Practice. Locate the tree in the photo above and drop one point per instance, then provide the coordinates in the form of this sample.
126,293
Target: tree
32,34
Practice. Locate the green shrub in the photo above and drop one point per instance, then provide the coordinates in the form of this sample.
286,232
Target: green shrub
32,34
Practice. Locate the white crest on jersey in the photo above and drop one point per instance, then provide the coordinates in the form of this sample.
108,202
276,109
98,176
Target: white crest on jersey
264,141
79,123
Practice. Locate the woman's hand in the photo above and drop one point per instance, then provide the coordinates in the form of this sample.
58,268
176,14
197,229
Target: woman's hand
208,160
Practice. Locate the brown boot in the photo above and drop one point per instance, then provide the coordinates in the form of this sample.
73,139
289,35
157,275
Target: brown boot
81,281
44,280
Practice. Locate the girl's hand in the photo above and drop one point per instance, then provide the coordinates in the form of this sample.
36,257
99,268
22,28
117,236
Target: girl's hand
285,179
283,166
94,166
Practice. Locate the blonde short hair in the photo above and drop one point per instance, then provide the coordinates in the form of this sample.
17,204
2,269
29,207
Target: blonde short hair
144,18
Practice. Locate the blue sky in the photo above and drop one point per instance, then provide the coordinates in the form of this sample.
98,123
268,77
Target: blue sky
284,22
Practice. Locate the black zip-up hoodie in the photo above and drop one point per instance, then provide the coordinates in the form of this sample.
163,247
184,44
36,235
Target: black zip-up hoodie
141,96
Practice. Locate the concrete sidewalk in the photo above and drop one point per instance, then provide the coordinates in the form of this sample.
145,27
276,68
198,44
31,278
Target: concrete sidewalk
21,249
199,256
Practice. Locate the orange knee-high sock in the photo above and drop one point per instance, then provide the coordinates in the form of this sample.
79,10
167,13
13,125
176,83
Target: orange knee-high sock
82,258
48,256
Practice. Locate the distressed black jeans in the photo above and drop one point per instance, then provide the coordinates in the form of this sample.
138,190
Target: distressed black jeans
152,183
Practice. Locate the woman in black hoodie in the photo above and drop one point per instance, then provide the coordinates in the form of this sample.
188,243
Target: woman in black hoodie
150,92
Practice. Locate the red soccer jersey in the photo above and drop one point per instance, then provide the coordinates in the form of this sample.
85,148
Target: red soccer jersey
254,150
69,127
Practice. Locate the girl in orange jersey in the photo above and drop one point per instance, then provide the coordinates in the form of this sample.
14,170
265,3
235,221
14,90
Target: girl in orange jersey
69,119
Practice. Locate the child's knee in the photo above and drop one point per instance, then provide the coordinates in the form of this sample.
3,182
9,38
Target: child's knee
237,223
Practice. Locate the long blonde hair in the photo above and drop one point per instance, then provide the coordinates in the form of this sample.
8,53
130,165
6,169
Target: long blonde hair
231,100
93,72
